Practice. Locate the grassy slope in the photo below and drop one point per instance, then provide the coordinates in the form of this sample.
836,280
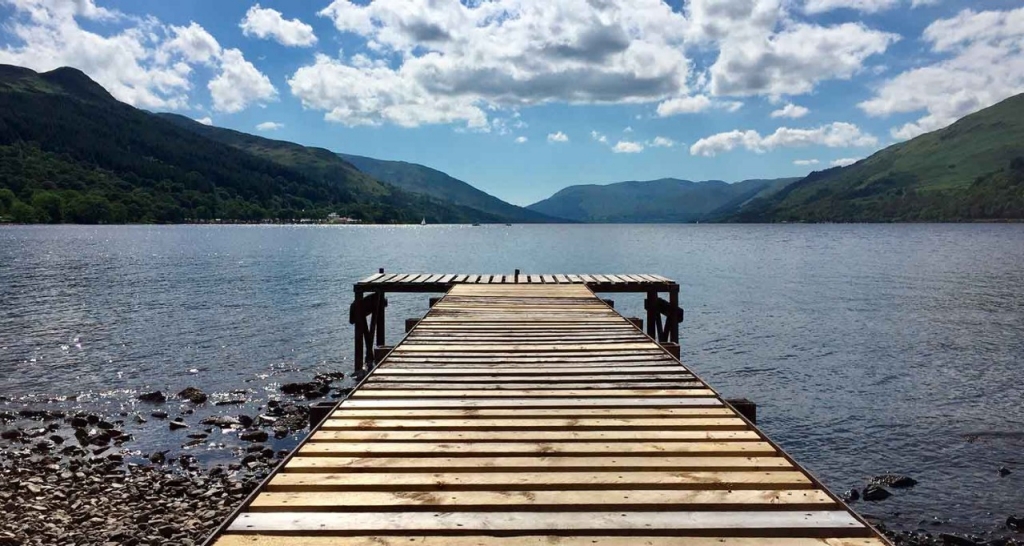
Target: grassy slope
427,181
893,184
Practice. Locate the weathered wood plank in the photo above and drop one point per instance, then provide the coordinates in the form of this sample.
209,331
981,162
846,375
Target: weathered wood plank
533,463
547,500
549,449
637,538
327,435
532,522
690,423
647,402
369,392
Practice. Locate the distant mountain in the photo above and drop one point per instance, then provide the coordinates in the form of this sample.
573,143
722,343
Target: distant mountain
70,152
424,180
970,170
664,200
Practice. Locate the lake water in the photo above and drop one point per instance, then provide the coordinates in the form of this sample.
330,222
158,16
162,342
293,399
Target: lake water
868,348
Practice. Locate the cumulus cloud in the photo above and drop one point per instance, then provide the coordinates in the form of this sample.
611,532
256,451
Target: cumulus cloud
845,162
661,142
983,63
794,60
521,140
269,126
205,121
472,57
599,137
814,7
684,105
558,137
269,23
139,61
239,84
791,111
806,162
834,135
627,147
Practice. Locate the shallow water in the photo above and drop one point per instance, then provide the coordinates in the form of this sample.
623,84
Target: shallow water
868,348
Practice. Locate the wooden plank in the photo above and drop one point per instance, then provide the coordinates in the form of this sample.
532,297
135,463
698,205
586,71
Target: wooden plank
533,435
597,387
448,279
537,500
535,413
575,279
372,278
369,392
536,347
635,539
692,423
532,463
548,449
495,403
683,522
562,279
563,481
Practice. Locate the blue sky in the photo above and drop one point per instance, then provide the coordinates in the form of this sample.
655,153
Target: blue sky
524,97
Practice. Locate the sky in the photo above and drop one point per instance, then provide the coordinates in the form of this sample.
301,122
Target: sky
524,97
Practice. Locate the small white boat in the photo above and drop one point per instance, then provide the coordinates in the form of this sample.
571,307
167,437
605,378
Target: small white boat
423,222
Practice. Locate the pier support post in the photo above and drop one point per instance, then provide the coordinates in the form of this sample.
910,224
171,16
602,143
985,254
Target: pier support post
672,348
610,303
379,352
367,334
411,323
433,301
637,321
744,407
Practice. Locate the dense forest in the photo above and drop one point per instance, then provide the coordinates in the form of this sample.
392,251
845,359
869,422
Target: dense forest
69,152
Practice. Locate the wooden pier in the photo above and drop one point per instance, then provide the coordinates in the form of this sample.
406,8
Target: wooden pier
533,414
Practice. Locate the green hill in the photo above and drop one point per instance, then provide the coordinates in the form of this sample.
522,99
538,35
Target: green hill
664,200
70,152
423,180
959,173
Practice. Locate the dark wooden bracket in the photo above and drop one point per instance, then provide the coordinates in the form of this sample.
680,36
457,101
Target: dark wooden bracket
367,314
664,316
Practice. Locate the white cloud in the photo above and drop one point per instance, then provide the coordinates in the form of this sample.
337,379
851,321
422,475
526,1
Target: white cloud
814,7
269,126
845,162
558,137
794,60
193,43
521,140
269,23
472,57
661,142
628,129
205,121
834,135
684,105
599,137
805,162
791,111
627,147
239,84
983,64
139,61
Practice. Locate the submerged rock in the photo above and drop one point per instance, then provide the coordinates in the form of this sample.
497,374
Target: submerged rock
875,492
193,395
254,436
1015,523
178,424
851,495
1003,471
894,480
153,397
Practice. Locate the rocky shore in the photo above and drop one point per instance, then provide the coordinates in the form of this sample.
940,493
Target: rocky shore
73,477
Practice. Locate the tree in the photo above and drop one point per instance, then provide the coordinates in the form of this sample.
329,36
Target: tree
7,199
49,206
22,213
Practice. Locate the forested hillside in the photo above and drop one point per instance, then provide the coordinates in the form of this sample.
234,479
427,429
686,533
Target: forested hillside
969,171
69,152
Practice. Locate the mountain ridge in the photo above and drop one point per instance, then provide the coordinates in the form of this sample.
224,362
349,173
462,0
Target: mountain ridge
649,201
